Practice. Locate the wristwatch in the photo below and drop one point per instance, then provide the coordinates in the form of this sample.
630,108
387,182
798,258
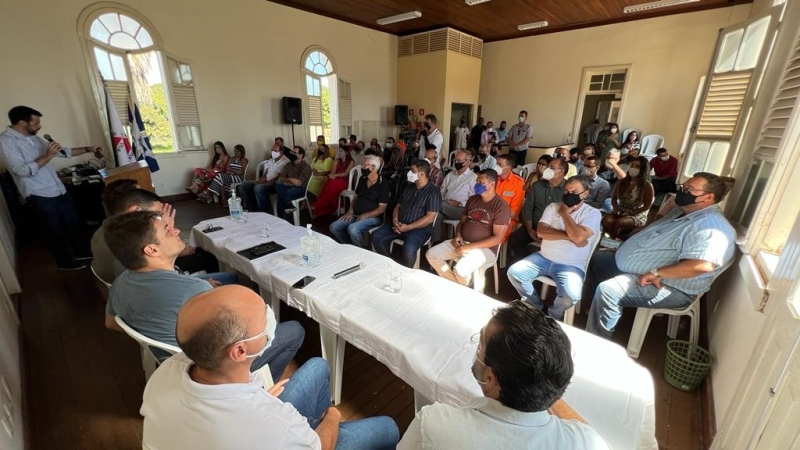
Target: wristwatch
655,273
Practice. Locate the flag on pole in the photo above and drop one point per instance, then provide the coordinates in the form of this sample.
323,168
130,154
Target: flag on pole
119,141
140,141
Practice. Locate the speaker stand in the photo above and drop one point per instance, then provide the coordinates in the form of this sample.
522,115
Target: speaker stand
293,134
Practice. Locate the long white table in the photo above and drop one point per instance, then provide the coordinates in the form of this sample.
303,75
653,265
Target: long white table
422,334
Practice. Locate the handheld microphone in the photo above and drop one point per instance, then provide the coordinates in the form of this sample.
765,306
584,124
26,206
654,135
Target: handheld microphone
349,271
48,138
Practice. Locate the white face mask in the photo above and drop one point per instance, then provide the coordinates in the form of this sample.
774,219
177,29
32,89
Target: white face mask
608,165
269,332
412,177
389,144
276,155
633,173
521,119
664,158
624,151
548,174
613,130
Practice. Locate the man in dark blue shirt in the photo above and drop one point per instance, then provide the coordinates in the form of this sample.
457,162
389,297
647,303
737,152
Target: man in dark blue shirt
413,217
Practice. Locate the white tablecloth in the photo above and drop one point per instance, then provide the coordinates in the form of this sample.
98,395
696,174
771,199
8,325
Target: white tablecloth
422,334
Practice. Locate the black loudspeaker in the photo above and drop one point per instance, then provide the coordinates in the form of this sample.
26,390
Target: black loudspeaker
401,114
292,110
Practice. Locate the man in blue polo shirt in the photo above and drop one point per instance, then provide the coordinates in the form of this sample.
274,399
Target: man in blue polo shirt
669,262
413,217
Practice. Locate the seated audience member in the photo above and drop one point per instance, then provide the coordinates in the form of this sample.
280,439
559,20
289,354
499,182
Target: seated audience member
457,188
284,149
203,176
256,193
478,235
103,260
374,149
320,142
352,142
523,365
328,198
292,182
106,265
484,160
611,171
629,154
576,160
567,229
220,186
669,262
631,200
413,216
437,176
599,189
150,293
548,190
665,167
392,157
358,152
367,208
343,144
207,397
496,151
563,152
536,175
510,189
321,167
633,141
589,150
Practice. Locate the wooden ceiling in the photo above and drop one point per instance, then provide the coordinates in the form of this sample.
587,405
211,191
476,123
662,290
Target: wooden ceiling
494,20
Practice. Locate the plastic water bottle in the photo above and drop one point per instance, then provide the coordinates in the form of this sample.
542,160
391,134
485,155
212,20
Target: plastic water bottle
235,207
311,248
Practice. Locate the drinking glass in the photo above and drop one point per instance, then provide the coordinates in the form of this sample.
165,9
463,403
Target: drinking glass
395,281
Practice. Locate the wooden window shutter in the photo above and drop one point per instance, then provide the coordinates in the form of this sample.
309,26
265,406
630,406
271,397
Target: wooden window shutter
345,104
185,112
781,109
723,105
314,110
119,94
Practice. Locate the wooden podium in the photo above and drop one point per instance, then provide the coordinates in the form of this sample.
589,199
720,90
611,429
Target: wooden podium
138,171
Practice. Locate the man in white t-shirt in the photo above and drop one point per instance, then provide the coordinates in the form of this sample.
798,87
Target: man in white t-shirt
430,134
256,193
523,364
206,397
568,230
461,136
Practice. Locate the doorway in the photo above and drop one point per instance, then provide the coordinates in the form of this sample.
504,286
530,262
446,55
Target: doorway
600,107
602,97
457,111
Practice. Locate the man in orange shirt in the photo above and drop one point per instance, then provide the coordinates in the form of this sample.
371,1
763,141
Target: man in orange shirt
510,189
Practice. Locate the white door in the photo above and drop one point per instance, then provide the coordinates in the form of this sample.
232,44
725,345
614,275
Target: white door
730,89
766,414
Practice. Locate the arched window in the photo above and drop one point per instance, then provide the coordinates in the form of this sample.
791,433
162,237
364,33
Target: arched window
128,58
328,102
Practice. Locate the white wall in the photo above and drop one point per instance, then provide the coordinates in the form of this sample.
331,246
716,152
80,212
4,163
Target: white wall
542,74
245,55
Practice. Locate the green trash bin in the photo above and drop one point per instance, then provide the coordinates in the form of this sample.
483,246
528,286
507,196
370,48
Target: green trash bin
687,364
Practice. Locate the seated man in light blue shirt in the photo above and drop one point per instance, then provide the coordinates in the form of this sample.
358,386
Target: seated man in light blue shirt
150,293
669,262
520,391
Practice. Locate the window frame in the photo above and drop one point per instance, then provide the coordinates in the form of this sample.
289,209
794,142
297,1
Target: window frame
333,84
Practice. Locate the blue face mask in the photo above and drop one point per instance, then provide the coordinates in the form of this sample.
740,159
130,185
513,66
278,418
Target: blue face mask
479,189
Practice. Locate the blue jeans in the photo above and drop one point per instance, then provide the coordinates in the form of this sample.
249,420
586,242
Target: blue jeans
569,282
309,392
256,196
60,227
623,290
285,196
413,241
224,278
351,232
289,337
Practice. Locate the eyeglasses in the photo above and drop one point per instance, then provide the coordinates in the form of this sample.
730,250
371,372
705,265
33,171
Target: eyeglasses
689,189
475,339
576,193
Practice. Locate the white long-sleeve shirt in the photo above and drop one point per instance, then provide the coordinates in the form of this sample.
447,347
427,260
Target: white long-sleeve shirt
459,187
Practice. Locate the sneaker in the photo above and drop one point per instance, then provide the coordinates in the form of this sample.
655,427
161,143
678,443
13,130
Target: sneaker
75,265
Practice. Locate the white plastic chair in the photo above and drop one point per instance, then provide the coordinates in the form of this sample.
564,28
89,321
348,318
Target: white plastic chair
524,171
259,171
106,283
479,276
628,131
644,315
349,193
149,360
569,315
401,242
650,144
296,206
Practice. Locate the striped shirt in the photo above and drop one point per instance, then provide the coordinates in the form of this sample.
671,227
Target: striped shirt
459,187
704,235
415,203
18,153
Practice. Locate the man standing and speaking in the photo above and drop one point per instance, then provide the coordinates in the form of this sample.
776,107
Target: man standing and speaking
26,156
430,134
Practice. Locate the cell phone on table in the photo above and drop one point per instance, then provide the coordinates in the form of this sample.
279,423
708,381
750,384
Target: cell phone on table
304,282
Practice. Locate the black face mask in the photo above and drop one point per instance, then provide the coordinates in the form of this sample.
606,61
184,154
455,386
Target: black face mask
570,199
365,172
292,157
483,155
458,165
427,126
684,198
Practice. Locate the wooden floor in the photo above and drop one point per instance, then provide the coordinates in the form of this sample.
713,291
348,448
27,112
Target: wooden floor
84,383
